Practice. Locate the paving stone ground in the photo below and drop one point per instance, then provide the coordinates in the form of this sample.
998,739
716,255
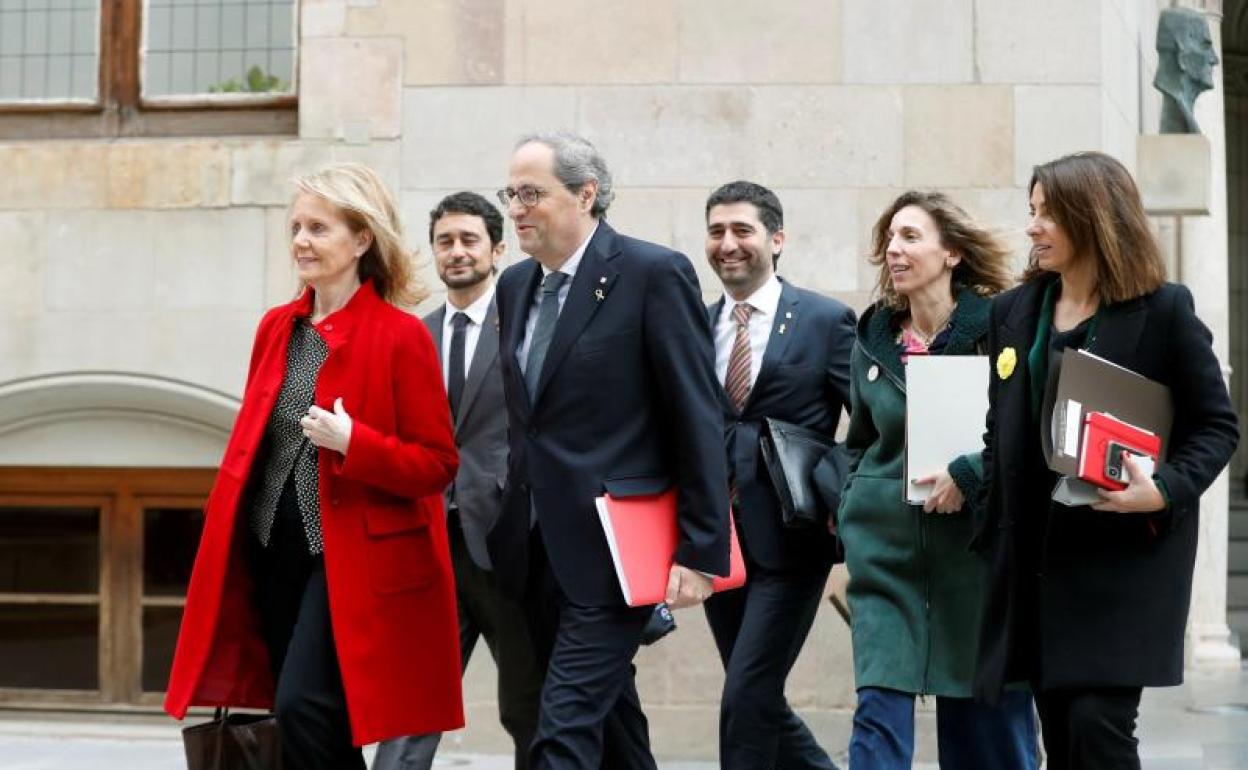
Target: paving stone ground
1200,726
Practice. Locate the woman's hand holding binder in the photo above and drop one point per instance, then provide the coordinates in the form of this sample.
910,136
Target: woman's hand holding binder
1140,496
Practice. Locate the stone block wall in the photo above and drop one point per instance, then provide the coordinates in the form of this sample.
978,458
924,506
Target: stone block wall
158,256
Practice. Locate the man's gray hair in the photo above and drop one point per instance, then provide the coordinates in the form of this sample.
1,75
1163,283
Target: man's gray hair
576,162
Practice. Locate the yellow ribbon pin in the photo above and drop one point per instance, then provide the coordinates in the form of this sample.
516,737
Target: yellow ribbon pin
1006,361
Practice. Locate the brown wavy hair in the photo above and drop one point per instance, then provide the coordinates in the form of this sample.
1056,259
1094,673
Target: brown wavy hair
984,266
1093,198
366,203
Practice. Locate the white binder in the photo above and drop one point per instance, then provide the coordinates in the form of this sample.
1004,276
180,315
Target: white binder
946,403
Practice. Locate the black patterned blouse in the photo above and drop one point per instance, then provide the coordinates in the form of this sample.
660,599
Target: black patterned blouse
285,452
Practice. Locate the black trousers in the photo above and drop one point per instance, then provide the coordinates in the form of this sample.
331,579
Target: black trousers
1092,729
293,600
484,611
590,715
760,629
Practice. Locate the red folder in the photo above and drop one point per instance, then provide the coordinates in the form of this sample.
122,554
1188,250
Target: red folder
1100,430
642,534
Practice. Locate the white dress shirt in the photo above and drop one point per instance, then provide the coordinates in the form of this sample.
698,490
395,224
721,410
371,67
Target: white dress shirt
472,332
764,300
568,268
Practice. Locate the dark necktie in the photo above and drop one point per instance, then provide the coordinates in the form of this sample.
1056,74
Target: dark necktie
455,369
543,330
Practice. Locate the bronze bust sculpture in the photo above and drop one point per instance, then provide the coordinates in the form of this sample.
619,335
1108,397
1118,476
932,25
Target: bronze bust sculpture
1184,67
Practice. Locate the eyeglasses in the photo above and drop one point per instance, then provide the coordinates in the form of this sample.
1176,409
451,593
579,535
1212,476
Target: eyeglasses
528,196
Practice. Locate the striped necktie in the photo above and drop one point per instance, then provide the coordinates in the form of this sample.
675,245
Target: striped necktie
737,381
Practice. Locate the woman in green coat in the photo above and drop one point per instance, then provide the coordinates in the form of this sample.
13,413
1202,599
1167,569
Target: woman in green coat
915,590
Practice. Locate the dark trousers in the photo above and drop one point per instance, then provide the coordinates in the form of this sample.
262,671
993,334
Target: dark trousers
590,715
484,611
1090,728
968,734
759,630
293,601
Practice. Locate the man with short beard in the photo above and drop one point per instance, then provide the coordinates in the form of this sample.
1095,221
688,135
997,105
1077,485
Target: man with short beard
466,233
780,352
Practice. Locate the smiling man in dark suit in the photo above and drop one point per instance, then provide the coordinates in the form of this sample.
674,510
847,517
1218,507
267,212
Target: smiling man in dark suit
780,352
610,387
466,232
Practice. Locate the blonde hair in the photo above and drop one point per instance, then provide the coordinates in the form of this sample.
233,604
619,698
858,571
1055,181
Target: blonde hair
366,203
984,267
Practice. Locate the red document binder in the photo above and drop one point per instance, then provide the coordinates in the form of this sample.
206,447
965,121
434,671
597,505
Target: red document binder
642,534
1100,431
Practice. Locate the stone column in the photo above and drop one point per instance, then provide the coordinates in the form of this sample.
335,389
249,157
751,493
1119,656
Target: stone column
1203,267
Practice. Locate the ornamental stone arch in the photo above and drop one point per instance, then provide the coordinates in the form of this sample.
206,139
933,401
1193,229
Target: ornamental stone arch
112,419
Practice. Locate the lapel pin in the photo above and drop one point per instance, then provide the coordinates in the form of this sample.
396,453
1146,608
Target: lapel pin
873,373
781,329
1006,362
788,315
603,279
598,293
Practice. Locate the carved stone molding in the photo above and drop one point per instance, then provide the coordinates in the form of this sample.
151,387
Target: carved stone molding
94,419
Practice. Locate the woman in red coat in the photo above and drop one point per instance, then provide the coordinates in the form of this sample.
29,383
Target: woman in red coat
323,585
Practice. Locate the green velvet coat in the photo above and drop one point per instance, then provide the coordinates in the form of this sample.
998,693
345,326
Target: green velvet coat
915,591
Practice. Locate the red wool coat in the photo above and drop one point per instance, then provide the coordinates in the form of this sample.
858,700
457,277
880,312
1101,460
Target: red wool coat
387,561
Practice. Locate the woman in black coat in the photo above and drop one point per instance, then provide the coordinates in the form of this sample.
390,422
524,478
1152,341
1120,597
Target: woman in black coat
1089,604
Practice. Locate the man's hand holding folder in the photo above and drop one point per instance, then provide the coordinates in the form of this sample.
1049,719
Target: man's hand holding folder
686,588
642,534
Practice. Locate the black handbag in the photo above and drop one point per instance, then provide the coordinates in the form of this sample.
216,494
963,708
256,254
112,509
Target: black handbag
233,742
806,470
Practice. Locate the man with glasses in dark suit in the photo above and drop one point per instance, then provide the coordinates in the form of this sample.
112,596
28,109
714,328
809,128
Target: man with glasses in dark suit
610,387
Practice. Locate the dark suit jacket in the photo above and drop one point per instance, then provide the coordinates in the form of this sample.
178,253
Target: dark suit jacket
480,434
1110,603
626,404
803,379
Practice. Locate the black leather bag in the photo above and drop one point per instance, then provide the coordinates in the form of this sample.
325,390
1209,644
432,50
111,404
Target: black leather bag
233,742
806,470
660,624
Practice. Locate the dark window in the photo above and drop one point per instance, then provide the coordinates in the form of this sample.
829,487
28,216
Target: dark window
49,550
49,646
49,597
170,540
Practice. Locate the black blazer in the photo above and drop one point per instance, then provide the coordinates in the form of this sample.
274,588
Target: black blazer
803,379
480,435
626,403
1077,597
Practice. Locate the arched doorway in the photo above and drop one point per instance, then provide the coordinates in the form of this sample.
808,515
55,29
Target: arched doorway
102,481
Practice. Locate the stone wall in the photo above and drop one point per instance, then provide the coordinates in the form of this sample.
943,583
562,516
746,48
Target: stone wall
157,256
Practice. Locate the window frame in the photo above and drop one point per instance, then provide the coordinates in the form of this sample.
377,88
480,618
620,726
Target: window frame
120,110
121,495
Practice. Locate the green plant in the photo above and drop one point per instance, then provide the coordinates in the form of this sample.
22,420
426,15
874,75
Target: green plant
255,82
